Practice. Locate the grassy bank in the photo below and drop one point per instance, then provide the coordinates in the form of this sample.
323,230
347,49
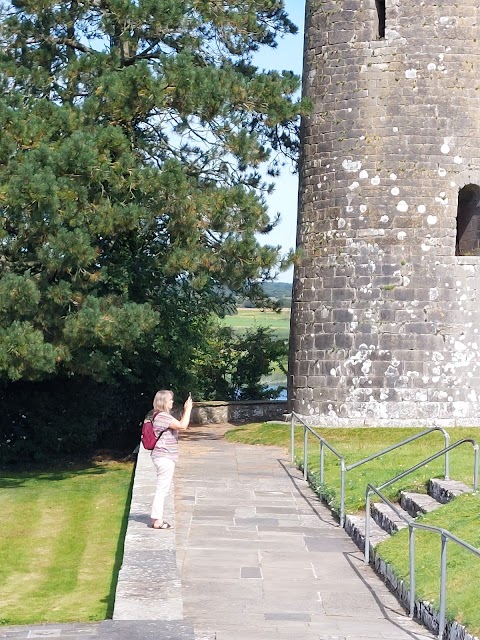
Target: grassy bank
62,542
461,517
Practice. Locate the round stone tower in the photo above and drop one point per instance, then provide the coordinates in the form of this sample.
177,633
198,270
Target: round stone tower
385,318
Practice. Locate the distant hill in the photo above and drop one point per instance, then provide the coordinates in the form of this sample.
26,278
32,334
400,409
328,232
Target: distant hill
278,289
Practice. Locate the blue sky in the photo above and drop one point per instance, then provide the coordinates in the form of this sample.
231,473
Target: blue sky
288,55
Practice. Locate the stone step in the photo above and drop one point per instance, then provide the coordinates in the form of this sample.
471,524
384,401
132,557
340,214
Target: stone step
355,527
388,519
385,521
445,490
416,504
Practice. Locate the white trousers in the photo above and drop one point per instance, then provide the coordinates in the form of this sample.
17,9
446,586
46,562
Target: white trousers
165,468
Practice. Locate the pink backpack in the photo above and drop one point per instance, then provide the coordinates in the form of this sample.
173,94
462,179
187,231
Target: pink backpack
149,439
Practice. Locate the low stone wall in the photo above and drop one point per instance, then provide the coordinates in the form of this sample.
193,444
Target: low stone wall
241,411
149,586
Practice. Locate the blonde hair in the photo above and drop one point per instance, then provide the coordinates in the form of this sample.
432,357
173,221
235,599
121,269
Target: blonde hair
161,399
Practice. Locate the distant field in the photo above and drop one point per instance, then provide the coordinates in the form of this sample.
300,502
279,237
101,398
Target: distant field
252,318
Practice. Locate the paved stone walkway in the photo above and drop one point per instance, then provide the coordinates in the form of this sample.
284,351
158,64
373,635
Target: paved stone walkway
261,558
258,557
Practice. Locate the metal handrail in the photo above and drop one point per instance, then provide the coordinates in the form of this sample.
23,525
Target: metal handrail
406,441
323,443
370,488
343,467
445,536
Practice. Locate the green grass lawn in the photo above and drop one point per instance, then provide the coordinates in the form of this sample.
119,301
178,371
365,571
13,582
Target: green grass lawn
461,517
252,318
62,542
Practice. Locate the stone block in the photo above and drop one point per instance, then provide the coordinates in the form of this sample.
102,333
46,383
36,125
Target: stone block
342,315
343,340
365,341
324,341
419,328
394,341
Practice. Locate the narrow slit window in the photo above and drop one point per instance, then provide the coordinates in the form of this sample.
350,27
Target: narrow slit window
381,18
468,221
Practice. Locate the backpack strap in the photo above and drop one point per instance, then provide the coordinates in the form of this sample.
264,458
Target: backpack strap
152,420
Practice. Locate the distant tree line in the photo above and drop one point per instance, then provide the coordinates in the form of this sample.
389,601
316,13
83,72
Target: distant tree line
278,293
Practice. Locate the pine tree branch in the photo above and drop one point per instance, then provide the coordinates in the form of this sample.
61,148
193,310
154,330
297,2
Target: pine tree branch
69,42
127,62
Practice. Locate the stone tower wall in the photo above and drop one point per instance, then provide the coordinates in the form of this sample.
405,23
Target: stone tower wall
385,317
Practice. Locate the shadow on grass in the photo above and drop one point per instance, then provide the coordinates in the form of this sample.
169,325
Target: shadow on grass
15,480
12,478
110,599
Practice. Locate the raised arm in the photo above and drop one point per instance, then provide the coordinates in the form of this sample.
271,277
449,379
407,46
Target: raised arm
184,421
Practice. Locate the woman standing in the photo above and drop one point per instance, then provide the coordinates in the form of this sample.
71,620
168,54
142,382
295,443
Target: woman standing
165,453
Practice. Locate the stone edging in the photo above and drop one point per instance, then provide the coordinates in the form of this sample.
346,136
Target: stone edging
424,612
149,586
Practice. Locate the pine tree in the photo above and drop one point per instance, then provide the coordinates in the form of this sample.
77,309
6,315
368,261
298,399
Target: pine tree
133,133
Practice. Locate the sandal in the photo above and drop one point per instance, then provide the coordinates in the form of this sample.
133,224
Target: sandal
164,525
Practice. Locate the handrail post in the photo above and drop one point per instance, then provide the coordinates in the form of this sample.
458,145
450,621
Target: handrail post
443,586
322,456
367,528
475,470
292,438
411,547
305,453
447,456
342,492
